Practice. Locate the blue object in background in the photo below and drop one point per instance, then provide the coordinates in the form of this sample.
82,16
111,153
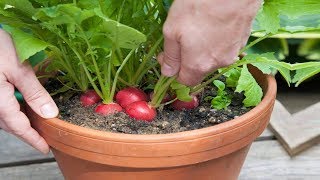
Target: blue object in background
19,96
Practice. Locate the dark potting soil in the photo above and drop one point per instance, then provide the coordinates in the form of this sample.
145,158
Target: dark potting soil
167,120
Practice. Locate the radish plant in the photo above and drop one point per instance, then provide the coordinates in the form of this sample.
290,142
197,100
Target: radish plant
106,50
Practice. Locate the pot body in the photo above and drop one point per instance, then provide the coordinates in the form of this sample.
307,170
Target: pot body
216,152
223,168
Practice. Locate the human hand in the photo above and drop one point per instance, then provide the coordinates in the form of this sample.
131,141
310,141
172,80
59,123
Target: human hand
204,35
15,74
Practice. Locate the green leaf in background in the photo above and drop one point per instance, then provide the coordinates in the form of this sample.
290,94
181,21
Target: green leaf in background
277,45
267,63
304,71
26,44
63,14
37,58
251,88
310,48
288,19
21,7
268,17
125,36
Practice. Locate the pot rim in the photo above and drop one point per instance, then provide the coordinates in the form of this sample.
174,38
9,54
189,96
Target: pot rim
270,93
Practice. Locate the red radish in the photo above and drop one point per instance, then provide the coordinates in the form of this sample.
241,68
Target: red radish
89,98
166,98
180,105
106,109
129,95
141,110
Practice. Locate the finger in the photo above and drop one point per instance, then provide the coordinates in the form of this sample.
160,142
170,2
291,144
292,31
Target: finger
171,55
160,58
14,121
33,92
23,78
192,74
18,124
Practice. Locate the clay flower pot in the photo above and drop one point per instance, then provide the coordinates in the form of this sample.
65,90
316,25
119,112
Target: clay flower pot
216,152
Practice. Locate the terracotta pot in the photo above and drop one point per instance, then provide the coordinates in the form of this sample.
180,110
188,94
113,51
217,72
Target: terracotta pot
216,152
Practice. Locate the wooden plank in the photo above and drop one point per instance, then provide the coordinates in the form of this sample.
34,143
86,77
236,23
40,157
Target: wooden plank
45,171
267,134
268,160
13,150
298,131
296,100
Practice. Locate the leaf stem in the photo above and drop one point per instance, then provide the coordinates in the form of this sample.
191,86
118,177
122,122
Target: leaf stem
117,75
254,42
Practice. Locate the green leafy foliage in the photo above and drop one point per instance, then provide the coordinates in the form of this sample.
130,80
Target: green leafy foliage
26,44
286,19
310,48
277,45
223,99
303,71
268,17
250,87
232,77
267,63
182,91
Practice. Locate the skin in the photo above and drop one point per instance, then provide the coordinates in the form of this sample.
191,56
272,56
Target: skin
204,35
14,74
199,37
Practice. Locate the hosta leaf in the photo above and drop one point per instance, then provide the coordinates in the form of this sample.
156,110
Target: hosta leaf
26,45
250,87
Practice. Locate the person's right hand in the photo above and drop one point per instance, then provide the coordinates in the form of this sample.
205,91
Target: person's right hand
15,74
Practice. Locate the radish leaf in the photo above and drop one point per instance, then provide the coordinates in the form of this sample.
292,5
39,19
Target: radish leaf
251,88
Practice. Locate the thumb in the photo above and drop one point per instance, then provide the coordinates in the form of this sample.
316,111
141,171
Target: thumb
33,92
171,59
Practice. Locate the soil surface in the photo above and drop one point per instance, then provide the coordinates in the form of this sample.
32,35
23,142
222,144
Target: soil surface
167,120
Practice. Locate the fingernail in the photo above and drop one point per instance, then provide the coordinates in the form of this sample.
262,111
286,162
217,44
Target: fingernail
49,110
167,70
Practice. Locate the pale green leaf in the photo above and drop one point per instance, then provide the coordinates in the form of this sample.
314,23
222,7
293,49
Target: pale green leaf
26,45
124,36
305,73
250,87
183,94
221,102
310,48
267,62
268,17
219,84
232,77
